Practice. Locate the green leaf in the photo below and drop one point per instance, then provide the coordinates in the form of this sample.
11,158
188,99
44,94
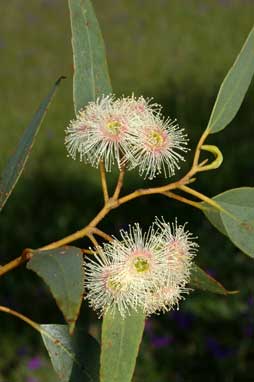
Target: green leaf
233,88
238,221
74,358
202,280
214,217
91,78
62,270
120,345
17,162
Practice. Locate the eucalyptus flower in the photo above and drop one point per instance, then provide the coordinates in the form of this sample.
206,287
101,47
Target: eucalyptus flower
165,298
126,130
104,290
157,145
124,271
180,249
100,133
141,258
141,271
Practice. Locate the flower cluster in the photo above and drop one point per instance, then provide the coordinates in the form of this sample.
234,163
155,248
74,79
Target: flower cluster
147,272
127,131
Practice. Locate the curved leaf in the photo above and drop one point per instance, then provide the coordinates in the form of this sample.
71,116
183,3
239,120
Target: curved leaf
233,88
91,78
62,270
238,222
17,162
202,280
120,345
214,217
74,358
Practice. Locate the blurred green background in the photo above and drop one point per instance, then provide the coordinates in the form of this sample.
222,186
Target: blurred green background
177,52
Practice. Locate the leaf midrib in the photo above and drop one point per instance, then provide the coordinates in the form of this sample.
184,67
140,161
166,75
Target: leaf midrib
84,11
120,352
210,127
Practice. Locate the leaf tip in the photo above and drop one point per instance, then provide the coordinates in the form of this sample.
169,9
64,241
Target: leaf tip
60,79
233,292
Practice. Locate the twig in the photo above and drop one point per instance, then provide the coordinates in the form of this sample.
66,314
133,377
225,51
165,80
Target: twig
114,202
182,199
102,234
22,317
59,243
119,184
203,197
26,255
198,148
39,329
81,233
146,191
104,181
93,240
88,251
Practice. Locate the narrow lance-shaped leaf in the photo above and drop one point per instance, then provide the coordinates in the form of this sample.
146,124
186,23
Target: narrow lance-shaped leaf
62,270
238,220
202,280
17,162
91,78
233,88
120,345
74,358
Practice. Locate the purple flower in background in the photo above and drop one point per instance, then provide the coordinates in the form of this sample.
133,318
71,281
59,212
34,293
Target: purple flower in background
159,342
218,350
22,351
183,320
34,363
248,330
250,300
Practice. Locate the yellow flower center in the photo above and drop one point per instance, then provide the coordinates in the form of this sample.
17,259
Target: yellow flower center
113,285
141,265
155,138
114,127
